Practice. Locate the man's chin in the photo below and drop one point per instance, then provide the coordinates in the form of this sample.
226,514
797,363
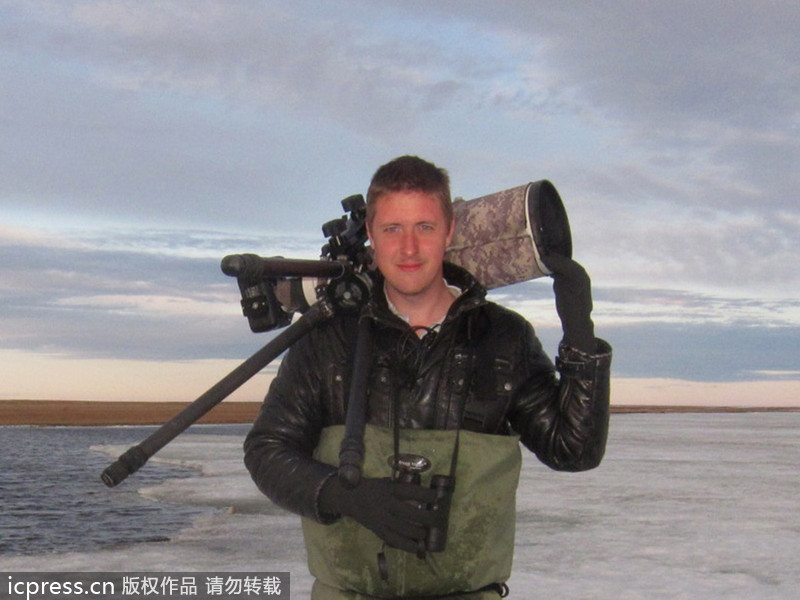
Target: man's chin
408,291
406,288
411,284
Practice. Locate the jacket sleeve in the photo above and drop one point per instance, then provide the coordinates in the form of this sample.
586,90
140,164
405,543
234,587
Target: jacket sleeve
278,449
563,418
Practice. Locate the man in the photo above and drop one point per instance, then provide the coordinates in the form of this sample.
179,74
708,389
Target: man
455,382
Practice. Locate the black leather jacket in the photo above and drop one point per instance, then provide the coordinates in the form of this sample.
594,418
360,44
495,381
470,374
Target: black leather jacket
484,370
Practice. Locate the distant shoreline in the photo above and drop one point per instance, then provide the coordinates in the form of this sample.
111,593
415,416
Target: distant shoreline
90,413
624,409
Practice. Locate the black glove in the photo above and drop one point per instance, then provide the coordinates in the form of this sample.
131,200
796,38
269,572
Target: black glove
396,512
573,291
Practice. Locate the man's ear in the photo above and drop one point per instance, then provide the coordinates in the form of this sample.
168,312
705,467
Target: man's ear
452,232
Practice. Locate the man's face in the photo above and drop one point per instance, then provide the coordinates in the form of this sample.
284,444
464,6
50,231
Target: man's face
409,235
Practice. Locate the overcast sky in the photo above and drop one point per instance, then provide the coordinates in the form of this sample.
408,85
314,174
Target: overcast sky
140,142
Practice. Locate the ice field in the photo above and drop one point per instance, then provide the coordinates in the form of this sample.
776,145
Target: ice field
689,506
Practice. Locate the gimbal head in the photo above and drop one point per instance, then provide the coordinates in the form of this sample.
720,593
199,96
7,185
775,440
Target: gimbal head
272,288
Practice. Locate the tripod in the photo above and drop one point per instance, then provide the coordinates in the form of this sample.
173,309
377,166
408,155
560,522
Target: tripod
348,295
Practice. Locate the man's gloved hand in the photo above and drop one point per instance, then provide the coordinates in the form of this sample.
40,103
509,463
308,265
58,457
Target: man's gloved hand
573,291
394,511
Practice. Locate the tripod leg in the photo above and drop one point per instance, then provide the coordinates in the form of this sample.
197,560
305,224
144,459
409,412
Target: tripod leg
135,457
351,453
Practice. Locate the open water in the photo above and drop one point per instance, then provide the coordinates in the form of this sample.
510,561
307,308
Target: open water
53,499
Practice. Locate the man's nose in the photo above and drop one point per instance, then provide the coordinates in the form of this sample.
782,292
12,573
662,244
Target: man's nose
409,243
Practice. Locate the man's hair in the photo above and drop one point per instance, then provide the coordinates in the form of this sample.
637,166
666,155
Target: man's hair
410,173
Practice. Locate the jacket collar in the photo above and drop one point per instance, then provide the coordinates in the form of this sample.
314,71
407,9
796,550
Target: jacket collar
473,294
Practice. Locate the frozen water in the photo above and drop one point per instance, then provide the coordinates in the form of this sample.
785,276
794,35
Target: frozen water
689,506
684,506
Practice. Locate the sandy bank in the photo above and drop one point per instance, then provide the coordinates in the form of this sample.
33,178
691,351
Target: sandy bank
76,412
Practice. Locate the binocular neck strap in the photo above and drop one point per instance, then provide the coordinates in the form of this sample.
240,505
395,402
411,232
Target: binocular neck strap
471,343
396,435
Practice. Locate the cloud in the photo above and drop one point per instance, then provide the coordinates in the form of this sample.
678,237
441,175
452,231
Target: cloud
156,295
686,98
690,111
661,64
141,123
739,253
623,306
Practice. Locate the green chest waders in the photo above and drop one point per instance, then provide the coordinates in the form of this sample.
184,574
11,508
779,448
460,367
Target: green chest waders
480,538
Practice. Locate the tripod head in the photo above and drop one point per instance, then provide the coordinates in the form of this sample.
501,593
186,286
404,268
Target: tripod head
273,288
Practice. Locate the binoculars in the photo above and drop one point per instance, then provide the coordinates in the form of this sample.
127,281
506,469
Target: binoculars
443,485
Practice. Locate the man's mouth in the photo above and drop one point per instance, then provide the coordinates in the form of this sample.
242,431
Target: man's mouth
409,267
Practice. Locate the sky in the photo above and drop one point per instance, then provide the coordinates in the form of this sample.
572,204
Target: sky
140,142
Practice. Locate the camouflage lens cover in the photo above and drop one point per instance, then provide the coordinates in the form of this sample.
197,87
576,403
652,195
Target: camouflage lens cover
501,237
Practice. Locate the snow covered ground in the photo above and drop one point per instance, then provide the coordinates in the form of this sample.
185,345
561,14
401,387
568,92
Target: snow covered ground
689,506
